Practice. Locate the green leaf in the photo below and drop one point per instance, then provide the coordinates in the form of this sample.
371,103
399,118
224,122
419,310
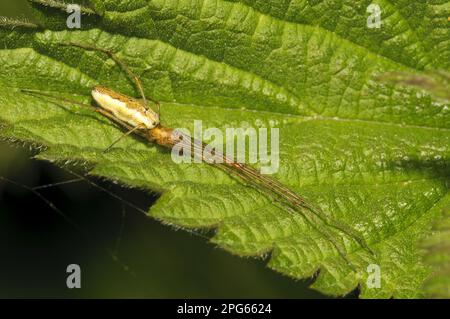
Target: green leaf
372,155
438,256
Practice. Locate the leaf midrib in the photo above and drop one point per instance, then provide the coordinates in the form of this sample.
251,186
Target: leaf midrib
296,119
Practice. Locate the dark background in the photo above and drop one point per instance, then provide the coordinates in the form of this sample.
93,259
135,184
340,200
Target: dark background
121,252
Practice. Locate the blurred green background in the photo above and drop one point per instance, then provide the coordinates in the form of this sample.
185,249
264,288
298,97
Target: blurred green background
147,259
